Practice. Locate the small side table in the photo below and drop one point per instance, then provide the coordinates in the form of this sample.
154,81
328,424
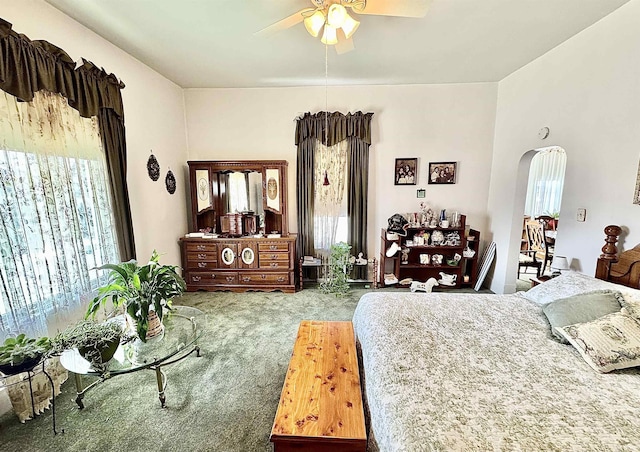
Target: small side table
540,280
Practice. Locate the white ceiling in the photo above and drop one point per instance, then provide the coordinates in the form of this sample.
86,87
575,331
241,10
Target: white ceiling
210,43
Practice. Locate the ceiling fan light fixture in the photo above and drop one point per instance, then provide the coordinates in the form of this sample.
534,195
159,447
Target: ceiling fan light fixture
329,37
336,15
314,23
350,26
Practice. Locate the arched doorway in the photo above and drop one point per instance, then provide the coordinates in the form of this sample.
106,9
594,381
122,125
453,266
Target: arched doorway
541,212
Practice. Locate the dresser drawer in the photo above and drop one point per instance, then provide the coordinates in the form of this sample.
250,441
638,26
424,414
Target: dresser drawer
201,265
212,278
202,256
264,278
200,246
273,246
274,260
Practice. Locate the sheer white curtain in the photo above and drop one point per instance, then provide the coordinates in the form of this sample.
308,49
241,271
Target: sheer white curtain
330,214
56,221
546,179
237,192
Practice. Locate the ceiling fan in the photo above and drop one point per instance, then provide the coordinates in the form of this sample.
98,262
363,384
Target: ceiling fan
331,17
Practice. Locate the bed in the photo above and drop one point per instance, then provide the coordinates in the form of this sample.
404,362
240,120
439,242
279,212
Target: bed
480,372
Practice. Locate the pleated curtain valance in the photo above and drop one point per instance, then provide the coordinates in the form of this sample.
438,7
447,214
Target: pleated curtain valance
340,127
29,66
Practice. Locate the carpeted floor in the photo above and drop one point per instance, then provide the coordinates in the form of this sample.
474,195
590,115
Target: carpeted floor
223,401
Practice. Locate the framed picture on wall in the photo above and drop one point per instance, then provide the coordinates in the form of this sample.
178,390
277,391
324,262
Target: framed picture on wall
442,172
406,172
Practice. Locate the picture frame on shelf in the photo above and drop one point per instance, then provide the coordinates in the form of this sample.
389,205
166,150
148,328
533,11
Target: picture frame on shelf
406,171
421,193
442,172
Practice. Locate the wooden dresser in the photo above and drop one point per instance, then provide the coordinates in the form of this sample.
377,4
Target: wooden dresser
239,264
240,203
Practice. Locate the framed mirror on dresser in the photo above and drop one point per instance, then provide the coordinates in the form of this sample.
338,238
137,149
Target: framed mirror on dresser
239,237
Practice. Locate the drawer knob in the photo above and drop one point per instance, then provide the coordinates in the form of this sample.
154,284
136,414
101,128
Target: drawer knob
273,264
273,247
201,247
202,256
213,276
229,278
202,264
274,256
263,276
246,278
196,278
281,279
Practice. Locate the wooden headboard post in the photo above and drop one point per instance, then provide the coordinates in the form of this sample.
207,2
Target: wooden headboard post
609,252
623,269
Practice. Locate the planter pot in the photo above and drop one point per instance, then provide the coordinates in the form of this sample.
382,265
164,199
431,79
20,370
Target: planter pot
24,366
156,328
106,353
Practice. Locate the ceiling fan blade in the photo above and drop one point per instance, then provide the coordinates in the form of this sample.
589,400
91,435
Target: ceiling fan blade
397,8
283,24
344,44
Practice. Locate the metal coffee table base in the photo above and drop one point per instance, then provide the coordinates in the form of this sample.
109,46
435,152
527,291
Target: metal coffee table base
161,379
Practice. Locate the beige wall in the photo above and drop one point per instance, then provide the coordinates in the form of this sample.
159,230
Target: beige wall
587,91
154,119
431,122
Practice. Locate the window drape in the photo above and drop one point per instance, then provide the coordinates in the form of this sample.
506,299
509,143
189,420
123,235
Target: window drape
56,220
331,163
330,129
546,180
27,67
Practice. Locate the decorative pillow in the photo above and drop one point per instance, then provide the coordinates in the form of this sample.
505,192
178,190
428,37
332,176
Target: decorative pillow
580,308
630,306
608,343
568,284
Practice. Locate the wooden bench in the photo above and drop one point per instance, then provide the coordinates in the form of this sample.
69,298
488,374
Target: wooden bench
320,406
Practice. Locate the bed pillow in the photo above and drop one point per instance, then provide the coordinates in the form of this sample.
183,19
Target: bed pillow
568,284
580,308
608,343
630,306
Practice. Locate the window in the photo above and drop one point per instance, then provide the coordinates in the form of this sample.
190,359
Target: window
56,221
330,215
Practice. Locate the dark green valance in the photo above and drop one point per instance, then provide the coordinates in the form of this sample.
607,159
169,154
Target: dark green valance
27,67
340,126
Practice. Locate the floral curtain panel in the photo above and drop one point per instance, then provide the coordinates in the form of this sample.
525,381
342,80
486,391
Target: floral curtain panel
330,201
56,221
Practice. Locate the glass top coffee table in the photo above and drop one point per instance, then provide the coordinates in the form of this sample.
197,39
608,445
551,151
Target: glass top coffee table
183,328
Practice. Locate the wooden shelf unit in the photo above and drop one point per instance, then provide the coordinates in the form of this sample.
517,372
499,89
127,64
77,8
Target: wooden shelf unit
422,272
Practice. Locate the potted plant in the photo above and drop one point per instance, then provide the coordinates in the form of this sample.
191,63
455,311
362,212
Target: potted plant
143,290
21,353
339,267
96,342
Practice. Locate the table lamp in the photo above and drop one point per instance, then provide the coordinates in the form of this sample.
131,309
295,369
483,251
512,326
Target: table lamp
558,264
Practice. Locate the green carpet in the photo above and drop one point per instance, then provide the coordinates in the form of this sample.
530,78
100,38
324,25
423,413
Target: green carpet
224,400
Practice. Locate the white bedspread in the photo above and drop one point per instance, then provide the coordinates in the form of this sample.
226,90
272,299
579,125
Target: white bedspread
473,372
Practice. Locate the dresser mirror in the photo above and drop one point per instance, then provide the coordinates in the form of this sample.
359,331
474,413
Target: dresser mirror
239,198
241,191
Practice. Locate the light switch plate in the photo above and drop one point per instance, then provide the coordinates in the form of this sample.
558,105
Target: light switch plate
582,214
